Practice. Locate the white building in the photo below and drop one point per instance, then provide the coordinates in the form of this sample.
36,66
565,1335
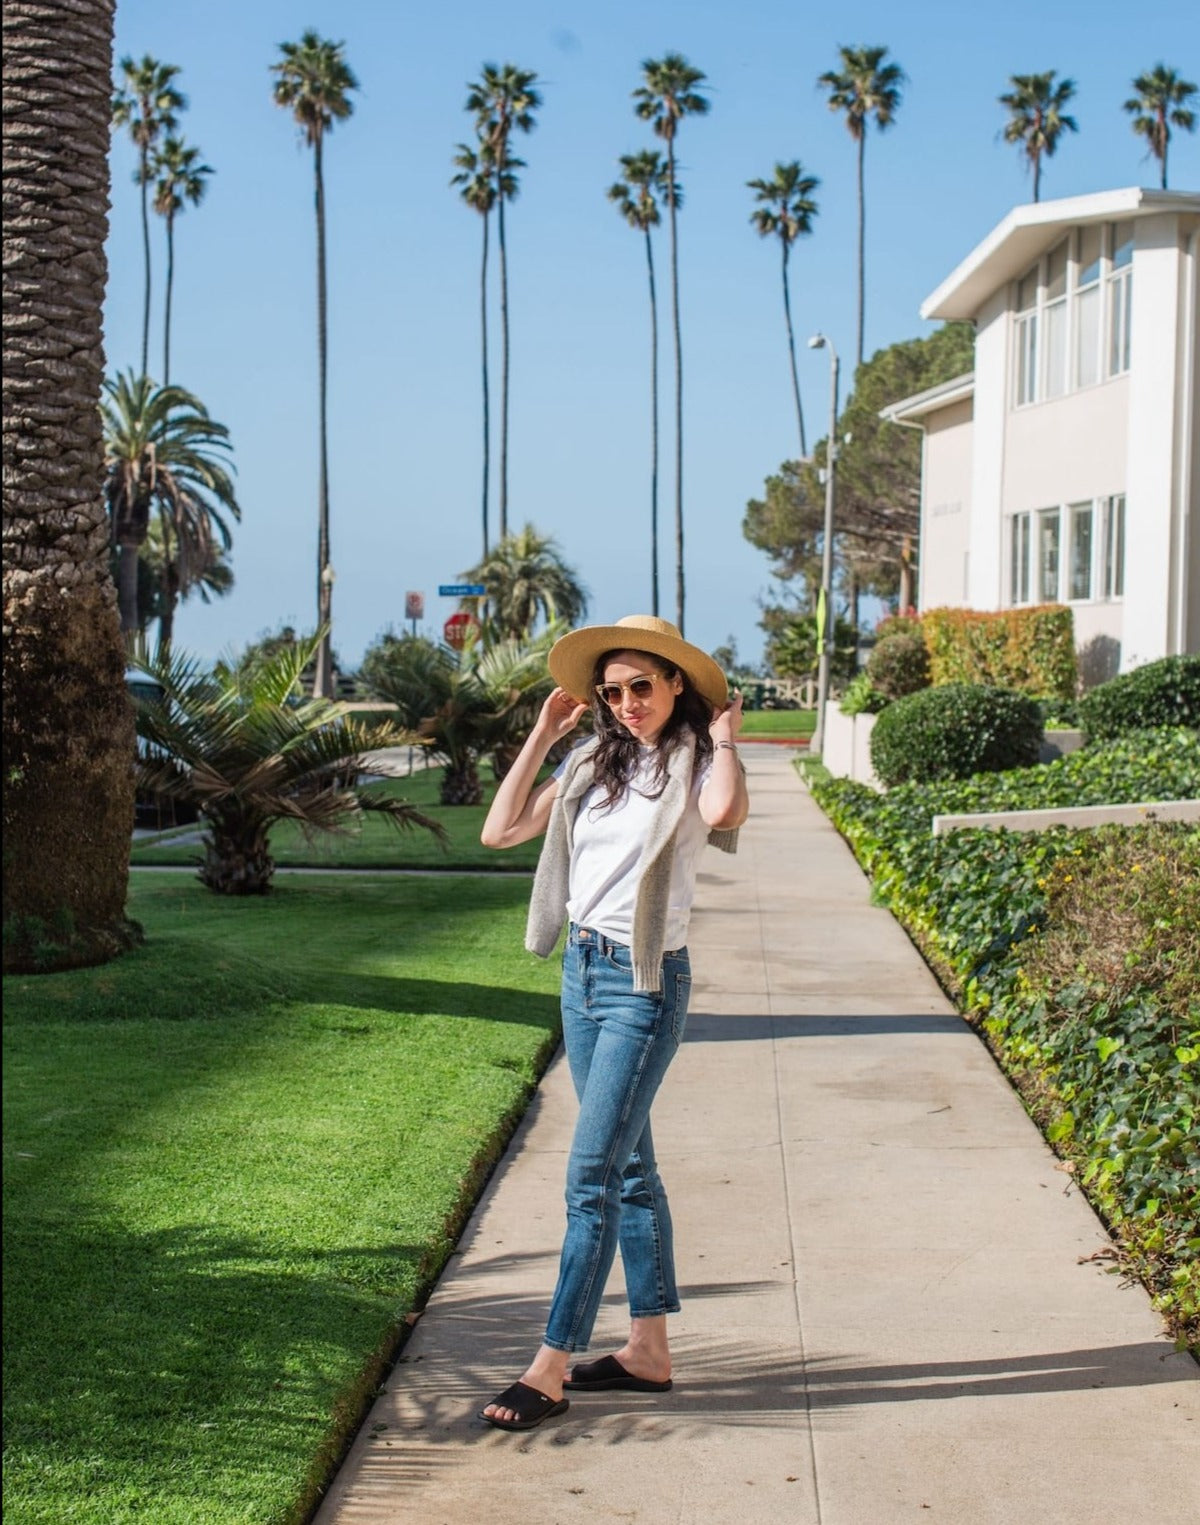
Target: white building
1066,468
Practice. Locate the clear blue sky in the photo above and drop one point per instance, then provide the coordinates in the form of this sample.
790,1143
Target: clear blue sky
404,268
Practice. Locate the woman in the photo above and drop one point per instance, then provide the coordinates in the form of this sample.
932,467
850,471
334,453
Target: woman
626,817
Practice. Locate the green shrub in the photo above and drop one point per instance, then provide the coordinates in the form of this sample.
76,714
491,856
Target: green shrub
899,664
1031,650
1166,692
862,697
953,732
898,624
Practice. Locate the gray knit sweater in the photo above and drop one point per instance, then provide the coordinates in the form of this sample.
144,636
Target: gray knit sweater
548,904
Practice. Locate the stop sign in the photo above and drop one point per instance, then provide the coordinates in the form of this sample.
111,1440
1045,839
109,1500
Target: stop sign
459,628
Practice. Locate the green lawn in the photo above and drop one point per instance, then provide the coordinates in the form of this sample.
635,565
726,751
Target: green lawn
779,723
379,844
233,1160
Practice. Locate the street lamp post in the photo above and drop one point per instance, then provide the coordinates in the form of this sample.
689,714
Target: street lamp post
825,603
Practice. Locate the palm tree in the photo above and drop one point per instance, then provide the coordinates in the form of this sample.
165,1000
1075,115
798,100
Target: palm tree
670,92
526,580
147,103
314,83
67,724
162,451
1161,103
476,179
463,704
1036,117
181,178
787,211
864,87
173,564
501,100
636,193
240,745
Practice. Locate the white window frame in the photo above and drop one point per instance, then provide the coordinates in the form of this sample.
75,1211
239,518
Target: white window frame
1106,558
1031,353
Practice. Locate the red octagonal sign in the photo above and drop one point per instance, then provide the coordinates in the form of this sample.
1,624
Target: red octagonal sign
459,628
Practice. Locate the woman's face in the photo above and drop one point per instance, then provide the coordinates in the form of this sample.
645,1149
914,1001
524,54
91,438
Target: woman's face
644,713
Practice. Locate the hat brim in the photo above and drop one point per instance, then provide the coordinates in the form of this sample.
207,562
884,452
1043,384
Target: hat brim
573,659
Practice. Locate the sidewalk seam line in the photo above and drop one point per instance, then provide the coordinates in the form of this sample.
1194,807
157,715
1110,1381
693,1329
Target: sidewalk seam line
791,1227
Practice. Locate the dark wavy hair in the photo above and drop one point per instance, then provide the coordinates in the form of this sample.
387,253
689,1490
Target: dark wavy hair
617,757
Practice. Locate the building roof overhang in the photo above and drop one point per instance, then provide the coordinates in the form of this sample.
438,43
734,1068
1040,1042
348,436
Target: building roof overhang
920,404
1028,231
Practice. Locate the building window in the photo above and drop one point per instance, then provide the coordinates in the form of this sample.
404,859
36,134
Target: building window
1026,345
1054,318
1074,553
1087,309
1048,524
1120,297
1019,560
1113,581
1080,579
1073,314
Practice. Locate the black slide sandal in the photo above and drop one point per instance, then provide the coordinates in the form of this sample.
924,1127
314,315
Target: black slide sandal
607,1374
531,1407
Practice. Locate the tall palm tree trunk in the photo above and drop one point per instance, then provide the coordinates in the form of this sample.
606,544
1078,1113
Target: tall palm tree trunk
127,585
1164,138
862,243
144,175
168,591
68,737
487,437
787,312
323,680
679,578
653,429
166,376
503,350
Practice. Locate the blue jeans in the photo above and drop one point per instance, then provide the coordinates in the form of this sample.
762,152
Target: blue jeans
619,1045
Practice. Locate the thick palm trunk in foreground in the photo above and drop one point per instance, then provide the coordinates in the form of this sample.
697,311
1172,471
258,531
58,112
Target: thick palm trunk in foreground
68,724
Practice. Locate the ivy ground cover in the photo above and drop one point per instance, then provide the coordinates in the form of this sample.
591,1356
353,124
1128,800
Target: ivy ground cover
1077,953
234,1160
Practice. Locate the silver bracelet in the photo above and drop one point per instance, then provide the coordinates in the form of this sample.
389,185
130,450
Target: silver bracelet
718,744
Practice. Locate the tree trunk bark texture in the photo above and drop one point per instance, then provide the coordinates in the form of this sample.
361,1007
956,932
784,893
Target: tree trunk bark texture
67,722
237,858
487,426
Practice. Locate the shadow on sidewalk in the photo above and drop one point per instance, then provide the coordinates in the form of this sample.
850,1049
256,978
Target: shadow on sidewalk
709,1027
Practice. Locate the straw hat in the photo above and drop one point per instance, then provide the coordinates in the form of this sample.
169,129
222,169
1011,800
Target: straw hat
573,658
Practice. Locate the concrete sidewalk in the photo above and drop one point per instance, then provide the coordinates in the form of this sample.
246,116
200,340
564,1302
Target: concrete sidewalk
886,1317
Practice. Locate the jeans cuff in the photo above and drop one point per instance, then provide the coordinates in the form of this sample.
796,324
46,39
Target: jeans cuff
658,1312
567,1347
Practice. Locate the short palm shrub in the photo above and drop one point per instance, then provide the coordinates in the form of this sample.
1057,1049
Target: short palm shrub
899,664
245,748
1166,692
954,731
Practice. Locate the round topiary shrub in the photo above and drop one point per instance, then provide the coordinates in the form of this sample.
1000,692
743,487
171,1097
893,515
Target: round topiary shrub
953,731
899,664
1166,692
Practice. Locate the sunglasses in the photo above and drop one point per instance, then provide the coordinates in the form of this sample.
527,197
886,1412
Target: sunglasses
640,688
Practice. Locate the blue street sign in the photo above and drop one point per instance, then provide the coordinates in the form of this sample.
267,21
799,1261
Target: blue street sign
461,590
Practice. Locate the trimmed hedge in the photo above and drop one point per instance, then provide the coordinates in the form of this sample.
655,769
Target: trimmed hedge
1031,650
954,731
1166,692
899,664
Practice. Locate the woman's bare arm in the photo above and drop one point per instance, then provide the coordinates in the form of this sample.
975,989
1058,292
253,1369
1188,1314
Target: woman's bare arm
521,811
724,800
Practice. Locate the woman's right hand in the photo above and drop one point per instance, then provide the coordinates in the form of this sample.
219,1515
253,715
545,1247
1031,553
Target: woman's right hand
560,714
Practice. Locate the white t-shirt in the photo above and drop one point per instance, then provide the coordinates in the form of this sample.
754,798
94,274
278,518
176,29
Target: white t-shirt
607,846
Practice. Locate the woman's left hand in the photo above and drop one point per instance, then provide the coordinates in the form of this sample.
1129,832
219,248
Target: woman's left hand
727,722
